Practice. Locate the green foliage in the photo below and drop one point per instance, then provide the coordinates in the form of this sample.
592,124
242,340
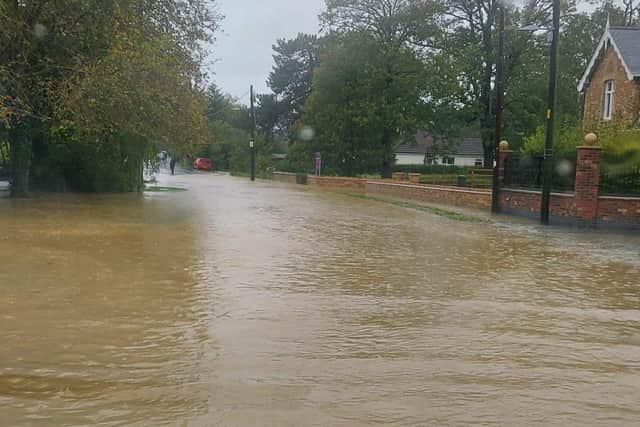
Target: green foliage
4,151
621,153
229,125
291,78
567,137
115,80
463,180
269,112
364,99
293,166
401,22
621,146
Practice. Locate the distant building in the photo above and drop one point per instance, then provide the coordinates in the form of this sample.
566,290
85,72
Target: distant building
428,149
611,83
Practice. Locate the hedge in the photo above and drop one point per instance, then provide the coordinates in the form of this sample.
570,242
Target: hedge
435,169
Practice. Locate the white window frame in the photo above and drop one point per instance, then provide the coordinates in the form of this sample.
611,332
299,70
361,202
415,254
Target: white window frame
448,160
609,99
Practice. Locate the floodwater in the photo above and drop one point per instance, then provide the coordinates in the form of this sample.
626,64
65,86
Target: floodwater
273,305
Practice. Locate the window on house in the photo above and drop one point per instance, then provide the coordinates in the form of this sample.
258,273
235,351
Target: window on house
609,90
448,160
430,158
479,162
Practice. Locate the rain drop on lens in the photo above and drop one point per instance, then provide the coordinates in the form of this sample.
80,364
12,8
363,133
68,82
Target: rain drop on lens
40,31
564,168
307,133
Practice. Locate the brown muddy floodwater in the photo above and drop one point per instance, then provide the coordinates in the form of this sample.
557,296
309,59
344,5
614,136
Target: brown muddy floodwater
272,305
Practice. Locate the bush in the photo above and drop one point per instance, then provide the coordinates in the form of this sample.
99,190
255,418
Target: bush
616,139
292,166
111,165
481,181
565,140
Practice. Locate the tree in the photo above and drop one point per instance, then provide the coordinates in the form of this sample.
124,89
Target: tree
269,113
228,123
631,12
292,75
470,43
400,22
55,59
395,30
364,100
527,77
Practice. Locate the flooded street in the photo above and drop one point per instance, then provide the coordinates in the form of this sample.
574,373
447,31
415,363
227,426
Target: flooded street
273,305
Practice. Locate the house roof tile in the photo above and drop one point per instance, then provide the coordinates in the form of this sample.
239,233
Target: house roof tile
465,146
627,39
626,42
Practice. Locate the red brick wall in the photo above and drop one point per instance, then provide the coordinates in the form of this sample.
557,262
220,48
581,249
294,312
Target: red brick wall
434,194
528,202
584,207
610,211
627,92
338,183
619,210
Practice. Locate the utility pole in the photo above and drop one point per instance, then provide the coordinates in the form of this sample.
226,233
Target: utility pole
497,135
551,112
252,141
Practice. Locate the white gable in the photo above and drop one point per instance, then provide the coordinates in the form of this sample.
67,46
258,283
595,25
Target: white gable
606,40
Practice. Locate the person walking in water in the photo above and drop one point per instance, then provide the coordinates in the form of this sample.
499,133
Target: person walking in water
172,165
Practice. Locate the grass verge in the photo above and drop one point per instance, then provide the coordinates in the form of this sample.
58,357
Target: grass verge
455,216
154,189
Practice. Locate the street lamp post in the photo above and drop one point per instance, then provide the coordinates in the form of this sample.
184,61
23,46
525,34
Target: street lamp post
495,199
548,147
252,142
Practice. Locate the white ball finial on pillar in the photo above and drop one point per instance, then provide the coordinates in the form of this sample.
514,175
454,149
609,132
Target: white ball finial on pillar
591,139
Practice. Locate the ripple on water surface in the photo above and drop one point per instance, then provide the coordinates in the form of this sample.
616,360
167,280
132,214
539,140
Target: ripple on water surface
267,304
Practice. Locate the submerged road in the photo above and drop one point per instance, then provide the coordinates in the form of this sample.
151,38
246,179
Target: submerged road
266,304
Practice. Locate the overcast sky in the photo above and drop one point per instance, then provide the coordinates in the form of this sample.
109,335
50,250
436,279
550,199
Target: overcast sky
243,51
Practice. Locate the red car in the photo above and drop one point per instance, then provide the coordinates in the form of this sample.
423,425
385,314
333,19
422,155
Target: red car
203,164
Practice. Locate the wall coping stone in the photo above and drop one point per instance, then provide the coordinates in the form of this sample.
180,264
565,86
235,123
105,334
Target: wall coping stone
517,190
628,198
431,187
352,178
589,147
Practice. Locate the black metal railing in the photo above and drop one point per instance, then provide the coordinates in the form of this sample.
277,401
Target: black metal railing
526,172
620,182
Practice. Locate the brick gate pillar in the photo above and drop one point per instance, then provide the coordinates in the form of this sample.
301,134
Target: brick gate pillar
587,185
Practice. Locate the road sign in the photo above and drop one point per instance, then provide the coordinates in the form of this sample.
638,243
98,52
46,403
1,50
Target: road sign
318,163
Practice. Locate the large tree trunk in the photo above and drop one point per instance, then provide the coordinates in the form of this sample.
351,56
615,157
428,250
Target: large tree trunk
486,98
21,147
386,171
486,120
388,156
488,153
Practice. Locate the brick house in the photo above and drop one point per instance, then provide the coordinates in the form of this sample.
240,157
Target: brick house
610,85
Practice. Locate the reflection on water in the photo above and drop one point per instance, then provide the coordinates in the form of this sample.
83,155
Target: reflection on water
266,304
